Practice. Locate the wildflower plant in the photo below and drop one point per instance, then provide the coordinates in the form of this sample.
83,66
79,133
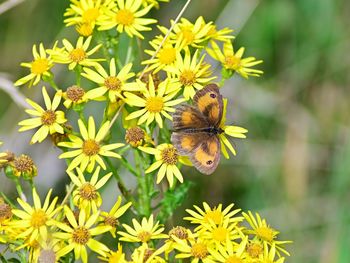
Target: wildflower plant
129,132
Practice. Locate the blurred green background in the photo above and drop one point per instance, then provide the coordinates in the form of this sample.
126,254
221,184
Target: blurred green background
294,167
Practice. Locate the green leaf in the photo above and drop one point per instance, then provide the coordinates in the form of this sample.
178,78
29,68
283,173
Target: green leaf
173,198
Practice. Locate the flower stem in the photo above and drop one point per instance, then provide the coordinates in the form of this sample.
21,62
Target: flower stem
143,188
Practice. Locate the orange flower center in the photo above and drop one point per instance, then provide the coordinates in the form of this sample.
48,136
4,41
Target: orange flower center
88,192
124,17
232,62
179,231
187,78
77,55
48,117
111,221
154,104
81,235
38,219
75,93
169,155
113,83
167,55
91,147
144,236
90,15
39,66
254,250
199,250
265,233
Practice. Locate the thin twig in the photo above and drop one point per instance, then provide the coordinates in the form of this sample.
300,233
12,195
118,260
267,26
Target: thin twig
8,87
167,34
155,54
8,5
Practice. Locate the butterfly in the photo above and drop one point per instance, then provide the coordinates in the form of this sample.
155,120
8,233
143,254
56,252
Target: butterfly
196,129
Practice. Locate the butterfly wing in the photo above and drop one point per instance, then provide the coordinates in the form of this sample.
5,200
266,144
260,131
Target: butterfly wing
209,102
202,148
187,117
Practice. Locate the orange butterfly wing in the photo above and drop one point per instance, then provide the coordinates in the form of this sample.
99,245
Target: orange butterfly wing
188,117
202,148
209,102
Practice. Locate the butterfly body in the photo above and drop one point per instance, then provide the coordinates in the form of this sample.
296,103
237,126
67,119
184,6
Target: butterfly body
196,129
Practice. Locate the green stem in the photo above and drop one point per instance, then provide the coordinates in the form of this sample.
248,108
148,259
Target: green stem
20,190
143,188
124,191
78,70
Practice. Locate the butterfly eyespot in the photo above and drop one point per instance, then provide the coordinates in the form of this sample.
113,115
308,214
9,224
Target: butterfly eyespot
209,162
213,95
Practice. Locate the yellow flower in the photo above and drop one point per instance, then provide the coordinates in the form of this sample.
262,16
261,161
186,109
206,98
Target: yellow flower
167,158
143,232
232,252
154,103
195,249
181,233
233,61
270,255
39,67
115,256
230,130
35,220
263,232
86,196
128,17
78,55
112,83
3,156
166,56
189,34
220,35
145,254
23,166
215,215
111,218
217,236
89,148
79,235
86,11
189,74
5,213
74,95
50,120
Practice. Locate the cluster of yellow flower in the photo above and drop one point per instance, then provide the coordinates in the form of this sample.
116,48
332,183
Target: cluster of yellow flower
50,231
145,99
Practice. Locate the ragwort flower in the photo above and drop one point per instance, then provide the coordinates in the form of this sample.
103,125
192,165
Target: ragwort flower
112,83
35,220
189,74
154,103
39,67
167,159
86,196
143,232
111,218
78,55
128,17
233,61
50,120
89,148
80,234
